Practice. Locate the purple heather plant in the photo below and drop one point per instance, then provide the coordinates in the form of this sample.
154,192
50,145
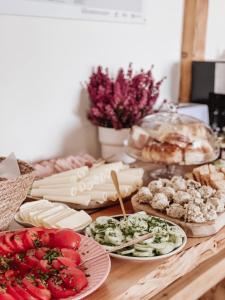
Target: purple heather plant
122,102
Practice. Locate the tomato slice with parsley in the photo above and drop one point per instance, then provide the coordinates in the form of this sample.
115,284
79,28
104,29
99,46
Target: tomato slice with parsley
17,241
65,238
4,249
74,278
62,263
72,254
58,290
6,296
8,240
36,288
41,252
11,290
23,293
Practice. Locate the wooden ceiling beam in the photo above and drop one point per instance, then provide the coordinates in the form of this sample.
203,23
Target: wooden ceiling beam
193,42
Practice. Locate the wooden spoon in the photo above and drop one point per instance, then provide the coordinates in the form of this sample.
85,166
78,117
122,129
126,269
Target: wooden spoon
117,187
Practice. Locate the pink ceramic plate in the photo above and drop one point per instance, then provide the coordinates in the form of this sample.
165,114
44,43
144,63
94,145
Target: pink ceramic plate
97,269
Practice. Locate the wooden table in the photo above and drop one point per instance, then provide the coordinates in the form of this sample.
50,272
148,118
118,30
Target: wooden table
186,275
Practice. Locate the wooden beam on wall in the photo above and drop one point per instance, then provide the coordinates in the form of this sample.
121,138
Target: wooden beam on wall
193,42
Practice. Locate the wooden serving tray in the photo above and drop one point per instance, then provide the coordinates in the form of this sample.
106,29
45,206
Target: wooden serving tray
191,229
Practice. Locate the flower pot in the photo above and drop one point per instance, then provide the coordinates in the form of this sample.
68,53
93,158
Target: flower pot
112,142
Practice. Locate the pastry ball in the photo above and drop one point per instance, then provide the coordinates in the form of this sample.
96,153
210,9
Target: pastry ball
208,211
168,191
194,193
143,195
155,185
181,197
193,184
206,191
178,183
194,213
217,204
160,201
176,211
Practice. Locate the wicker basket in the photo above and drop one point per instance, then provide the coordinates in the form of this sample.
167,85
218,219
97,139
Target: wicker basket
13,193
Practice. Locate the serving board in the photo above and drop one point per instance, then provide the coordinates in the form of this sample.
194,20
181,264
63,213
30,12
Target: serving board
191,229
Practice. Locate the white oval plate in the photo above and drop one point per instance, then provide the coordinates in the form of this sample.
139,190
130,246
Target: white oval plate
151,258
20,221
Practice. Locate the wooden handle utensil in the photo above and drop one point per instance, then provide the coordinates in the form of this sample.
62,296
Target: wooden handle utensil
117,187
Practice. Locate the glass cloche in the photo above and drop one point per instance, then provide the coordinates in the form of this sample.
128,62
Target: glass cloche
172,138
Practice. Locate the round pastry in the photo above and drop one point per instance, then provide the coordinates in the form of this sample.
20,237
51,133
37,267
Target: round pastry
208,211
193,213
181,197
143,195
206,191
193,184
217,204
178,183
160,201
194,193
168,191
176,211
155,185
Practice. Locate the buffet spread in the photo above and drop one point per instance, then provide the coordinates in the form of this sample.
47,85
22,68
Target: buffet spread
51,260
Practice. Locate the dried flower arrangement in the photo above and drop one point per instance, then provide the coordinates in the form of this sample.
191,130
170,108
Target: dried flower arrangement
122,102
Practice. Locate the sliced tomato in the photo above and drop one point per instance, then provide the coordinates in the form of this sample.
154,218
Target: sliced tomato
20,264
72,254
17,241
58,290
32,261
74,278
4,249
8,240
10,275
36,289
65,238
6,296
44,265
31,239
23,293
44,238
41,252
62,262
11,290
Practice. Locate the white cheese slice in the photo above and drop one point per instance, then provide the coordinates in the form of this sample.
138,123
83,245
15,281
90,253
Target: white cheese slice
98,196
34,206
49,212
74,221
51,220
40,192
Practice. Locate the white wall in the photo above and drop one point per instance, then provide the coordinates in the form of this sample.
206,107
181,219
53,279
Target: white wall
43,61
215,41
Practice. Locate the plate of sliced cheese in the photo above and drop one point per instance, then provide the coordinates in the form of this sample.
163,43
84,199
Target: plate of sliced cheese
89,188
44,213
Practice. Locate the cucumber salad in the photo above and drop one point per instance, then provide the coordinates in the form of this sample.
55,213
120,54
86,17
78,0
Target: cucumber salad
111,232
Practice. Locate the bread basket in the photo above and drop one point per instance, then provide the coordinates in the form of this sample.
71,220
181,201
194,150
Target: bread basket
13,193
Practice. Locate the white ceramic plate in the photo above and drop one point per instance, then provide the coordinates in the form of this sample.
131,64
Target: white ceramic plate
20,221
152,258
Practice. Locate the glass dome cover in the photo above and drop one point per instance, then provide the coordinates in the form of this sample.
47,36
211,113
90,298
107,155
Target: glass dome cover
172,138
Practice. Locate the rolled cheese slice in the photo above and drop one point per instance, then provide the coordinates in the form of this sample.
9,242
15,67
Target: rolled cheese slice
40,192
97,196
125,190
116,166
82,199
55,180
79,173
128,179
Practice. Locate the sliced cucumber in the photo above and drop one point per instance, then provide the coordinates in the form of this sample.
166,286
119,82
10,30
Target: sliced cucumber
140,247
143,254
126,252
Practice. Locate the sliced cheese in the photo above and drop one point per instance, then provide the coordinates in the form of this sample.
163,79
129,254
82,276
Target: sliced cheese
97,196
33,206
37,219
51,220
79,172
125,190
40,192
55,180
74,221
